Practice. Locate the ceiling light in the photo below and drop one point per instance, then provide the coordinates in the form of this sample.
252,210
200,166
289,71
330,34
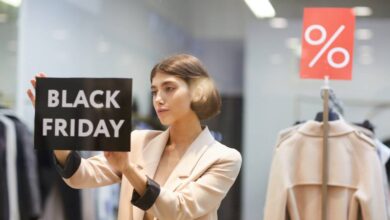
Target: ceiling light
261,8
15,3
278,23
362,11
363,34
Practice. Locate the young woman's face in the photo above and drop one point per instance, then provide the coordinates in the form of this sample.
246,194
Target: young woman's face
171,98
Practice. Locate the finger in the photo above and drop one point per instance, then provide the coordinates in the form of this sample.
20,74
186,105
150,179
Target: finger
31,96
33,83
41,74
38,75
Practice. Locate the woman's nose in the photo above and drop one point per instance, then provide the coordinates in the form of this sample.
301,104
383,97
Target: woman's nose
158,99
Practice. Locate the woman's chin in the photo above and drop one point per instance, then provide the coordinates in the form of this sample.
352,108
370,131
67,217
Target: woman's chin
165,122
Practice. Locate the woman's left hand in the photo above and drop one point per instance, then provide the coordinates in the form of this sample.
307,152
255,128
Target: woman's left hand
118,160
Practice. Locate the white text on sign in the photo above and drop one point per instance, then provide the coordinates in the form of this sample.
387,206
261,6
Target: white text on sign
85,127
61,127
81,99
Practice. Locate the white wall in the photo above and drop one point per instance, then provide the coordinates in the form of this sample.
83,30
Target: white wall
8,62
271,85
99,39
223,58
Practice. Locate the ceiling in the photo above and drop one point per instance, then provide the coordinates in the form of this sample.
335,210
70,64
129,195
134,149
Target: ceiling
294,8
227,18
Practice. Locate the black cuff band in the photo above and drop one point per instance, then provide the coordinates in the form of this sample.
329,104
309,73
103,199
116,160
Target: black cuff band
71,165
152,191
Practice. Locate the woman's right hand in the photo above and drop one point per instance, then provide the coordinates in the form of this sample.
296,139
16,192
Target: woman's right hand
33,82
61,155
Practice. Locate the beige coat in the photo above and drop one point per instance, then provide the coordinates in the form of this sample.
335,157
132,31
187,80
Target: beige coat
194,190
355,189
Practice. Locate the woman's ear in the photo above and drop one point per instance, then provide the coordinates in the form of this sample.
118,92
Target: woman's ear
197,93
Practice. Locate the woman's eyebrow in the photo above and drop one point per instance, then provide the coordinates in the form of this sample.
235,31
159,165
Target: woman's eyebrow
164,83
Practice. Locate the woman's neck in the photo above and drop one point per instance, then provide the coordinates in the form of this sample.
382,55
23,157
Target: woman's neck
182,133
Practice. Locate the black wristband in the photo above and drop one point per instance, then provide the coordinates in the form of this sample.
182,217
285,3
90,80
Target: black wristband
146,201
72,163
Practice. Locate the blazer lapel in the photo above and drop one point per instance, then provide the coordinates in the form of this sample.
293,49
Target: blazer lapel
189,159
152,154
149,161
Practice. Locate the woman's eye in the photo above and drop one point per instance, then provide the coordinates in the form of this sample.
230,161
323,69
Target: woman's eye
169,89
153,93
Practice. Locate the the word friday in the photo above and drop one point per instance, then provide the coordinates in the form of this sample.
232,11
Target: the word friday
82,127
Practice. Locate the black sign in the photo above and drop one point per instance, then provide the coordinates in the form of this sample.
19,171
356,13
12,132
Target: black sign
83,114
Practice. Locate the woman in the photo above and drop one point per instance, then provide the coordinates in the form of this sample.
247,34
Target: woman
179,173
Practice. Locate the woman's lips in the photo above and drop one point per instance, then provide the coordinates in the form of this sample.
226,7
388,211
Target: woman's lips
162,110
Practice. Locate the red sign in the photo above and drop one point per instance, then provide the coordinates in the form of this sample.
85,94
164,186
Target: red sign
327,43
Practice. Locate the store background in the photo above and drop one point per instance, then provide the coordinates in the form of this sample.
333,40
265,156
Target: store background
252,63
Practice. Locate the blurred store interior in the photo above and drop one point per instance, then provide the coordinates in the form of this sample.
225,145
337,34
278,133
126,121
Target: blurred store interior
254,60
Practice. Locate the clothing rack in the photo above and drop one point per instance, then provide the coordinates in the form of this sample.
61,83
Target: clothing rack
329,98
11,164
325,159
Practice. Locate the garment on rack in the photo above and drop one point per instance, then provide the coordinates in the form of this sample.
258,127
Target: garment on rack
384,156
354,185
386,142
27,174
11,170
387,165
367,128
20,179
383,151
4,209
367,125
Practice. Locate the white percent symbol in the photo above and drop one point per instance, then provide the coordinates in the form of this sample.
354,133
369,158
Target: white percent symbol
326,46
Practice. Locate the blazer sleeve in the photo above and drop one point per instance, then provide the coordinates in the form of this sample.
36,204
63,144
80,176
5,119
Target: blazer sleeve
96,171
92,172
200,196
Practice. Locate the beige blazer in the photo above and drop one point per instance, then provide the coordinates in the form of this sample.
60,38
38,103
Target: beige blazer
194,190
355,189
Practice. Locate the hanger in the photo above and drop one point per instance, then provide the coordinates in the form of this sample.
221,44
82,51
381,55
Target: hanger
333,116
335,106
367,125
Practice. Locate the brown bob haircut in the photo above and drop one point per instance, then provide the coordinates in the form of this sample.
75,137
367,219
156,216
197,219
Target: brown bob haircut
207,103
